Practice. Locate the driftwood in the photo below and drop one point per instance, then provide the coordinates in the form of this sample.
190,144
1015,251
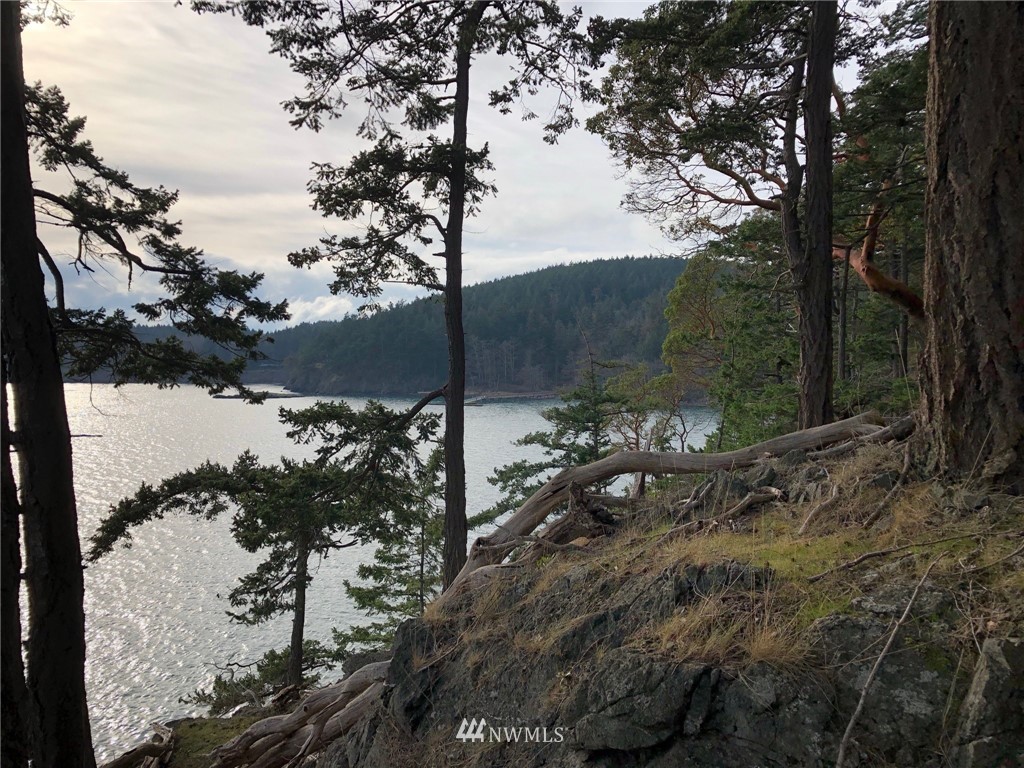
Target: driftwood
149,754
492,549
273,731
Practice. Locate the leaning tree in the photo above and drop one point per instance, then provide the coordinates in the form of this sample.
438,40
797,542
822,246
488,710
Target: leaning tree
408,63
973,372
114,223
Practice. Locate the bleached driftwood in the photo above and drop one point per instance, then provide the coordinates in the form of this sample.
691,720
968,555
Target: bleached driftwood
271,732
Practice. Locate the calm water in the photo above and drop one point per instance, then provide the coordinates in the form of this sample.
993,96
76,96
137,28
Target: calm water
155,622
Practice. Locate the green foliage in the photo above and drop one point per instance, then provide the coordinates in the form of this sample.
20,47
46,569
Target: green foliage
252,683
522,332
107,212
579,435
406,570
367,484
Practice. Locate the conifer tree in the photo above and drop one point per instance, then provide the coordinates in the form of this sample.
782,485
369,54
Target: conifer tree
409,65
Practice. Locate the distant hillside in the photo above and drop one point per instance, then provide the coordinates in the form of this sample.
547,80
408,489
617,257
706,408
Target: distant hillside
523,333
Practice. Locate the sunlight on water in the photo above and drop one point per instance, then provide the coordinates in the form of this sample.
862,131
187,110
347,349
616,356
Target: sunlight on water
155,622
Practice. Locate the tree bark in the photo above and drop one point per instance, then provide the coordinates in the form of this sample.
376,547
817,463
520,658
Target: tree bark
56,633
973,365
294,675
455,527
15,717
812,272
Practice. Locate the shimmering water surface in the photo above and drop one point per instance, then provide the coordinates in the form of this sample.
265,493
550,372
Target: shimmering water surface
155,622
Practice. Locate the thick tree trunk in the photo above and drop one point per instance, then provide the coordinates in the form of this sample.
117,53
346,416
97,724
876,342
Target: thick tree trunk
455,528
815,372
812,272
973,365
56,635
294,676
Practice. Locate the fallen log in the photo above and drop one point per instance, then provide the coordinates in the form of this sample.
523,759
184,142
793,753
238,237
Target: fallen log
493,548
270,732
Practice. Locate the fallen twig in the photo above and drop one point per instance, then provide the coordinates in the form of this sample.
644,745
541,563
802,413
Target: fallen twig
878,663
977,568
819,508
761,495
883,552
873,517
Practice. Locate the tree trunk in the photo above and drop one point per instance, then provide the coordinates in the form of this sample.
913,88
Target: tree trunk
15,718
812,270
973,366
294,675
455,527
56,634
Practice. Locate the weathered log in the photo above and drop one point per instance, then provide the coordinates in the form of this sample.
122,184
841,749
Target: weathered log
492,548
268,733
336,727
148,753
898,430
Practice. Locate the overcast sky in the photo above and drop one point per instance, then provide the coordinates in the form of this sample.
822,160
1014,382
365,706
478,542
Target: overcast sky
193,102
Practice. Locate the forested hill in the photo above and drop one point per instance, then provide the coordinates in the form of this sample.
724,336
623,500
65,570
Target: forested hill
523,333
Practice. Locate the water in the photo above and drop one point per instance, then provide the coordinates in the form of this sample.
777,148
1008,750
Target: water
156,625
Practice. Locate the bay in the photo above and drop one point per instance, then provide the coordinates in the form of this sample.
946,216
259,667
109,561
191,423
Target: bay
156,622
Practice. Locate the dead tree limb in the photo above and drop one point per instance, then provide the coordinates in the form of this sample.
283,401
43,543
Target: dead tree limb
759,496
898,430
873,517
148,753
490,549
883,552
819,508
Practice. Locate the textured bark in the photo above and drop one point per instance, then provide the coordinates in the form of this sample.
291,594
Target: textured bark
973,365
455,527
56,632
813,272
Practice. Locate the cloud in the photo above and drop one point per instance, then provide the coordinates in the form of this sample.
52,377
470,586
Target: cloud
193,102
321,308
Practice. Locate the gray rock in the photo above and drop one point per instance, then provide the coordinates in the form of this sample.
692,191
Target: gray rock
991,728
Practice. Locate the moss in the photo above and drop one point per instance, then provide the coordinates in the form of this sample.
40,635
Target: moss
195,738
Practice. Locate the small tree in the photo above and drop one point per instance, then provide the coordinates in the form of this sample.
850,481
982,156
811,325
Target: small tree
364,486
409,63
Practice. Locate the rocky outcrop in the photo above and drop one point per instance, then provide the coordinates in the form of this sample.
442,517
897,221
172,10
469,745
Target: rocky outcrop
581,695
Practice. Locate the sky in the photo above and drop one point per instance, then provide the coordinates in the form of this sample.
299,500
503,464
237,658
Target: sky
193,103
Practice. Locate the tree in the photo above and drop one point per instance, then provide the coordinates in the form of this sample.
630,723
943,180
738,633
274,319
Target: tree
106,212
973,373
410,62
579,435
364,486
703,103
